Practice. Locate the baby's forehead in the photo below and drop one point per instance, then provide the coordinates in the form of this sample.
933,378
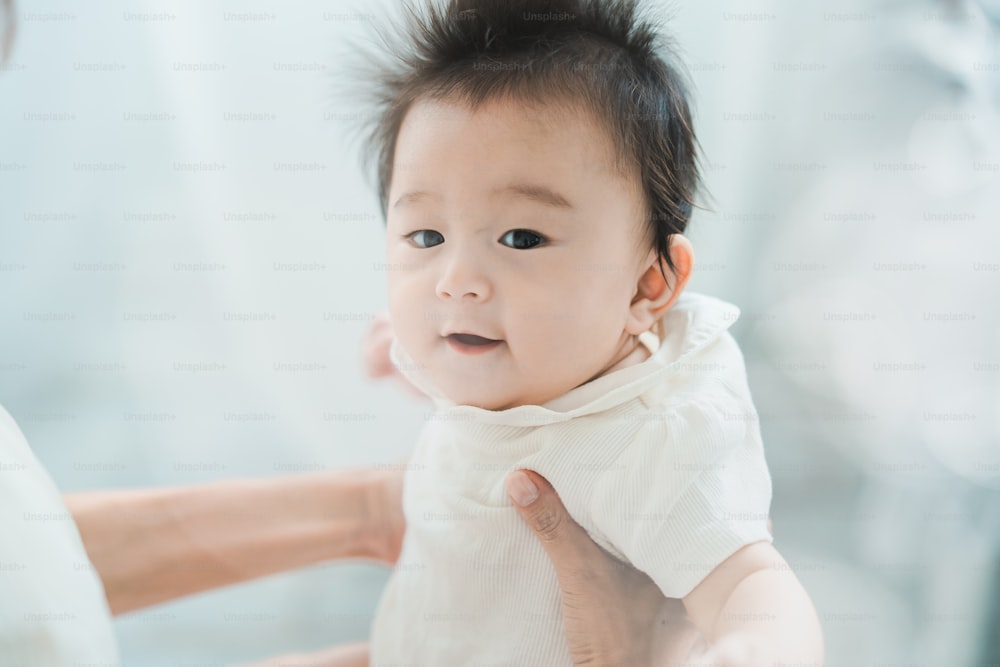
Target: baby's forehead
532,119
551,110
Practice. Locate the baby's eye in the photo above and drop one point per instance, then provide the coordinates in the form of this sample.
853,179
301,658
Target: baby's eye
522,239
426,238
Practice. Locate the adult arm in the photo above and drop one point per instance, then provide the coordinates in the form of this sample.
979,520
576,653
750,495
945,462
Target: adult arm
153,545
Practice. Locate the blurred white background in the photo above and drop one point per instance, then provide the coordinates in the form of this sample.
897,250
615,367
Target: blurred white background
190,254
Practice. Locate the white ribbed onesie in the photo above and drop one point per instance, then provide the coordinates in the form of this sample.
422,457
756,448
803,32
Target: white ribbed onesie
660,462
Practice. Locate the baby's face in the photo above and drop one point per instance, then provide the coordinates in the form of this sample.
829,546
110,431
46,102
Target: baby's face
511,224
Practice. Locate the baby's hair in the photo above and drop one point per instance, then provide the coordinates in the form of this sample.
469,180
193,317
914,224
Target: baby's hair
601,55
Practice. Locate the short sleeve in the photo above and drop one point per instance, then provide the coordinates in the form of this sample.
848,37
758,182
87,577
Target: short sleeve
691,490
52,606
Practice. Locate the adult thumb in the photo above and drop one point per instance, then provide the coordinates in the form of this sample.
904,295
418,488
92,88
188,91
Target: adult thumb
567,544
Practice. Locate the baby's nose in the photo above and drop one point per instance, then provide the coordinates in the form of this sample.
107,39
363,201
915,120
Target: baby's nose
464,278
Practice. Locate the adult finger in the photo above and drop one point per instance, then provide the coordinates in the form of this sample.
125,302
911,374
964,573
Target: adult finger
375,348
568,546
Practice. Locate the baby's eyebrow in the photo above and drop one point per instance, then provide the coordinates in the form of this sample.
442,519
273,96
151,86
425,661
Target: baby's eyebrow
536,193
413,197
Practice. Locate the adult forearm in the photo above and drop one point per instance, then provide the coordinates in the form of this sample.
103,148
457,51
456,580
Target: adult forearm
149,546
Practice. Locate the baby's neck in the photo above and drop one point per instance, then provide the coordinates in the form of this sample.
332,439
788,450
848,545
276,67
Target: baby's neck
630,353
636,355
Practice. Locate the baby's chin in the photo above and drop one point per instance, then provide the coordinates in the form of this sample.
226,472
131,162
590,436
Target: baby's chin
492,401
478,400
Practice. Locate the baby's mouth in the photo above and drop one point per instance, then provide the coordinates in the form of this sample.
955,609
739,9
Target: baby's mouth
472,339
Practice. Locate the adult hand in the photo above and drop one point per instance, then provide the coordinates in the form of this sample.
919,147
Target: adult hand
375,353
612,613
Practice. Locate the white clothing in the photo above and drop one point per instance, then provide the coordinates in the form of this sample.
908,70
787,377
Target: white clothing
53,612
660,462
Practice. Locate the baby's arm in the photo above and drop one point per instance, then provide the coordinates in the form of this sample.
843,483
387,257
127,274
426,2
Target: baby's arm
754,611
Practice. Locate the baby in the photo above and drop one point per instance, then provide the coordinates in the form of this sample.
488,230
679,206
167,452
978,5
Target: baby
536,171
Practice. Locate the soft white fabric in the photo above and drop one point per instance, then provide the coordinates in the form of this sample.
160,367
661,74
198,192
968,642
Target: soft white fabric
53,612
660,462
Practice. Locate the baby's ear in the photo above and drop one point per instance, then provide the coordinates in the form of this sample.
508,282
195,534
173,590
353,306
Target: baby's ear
654,296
